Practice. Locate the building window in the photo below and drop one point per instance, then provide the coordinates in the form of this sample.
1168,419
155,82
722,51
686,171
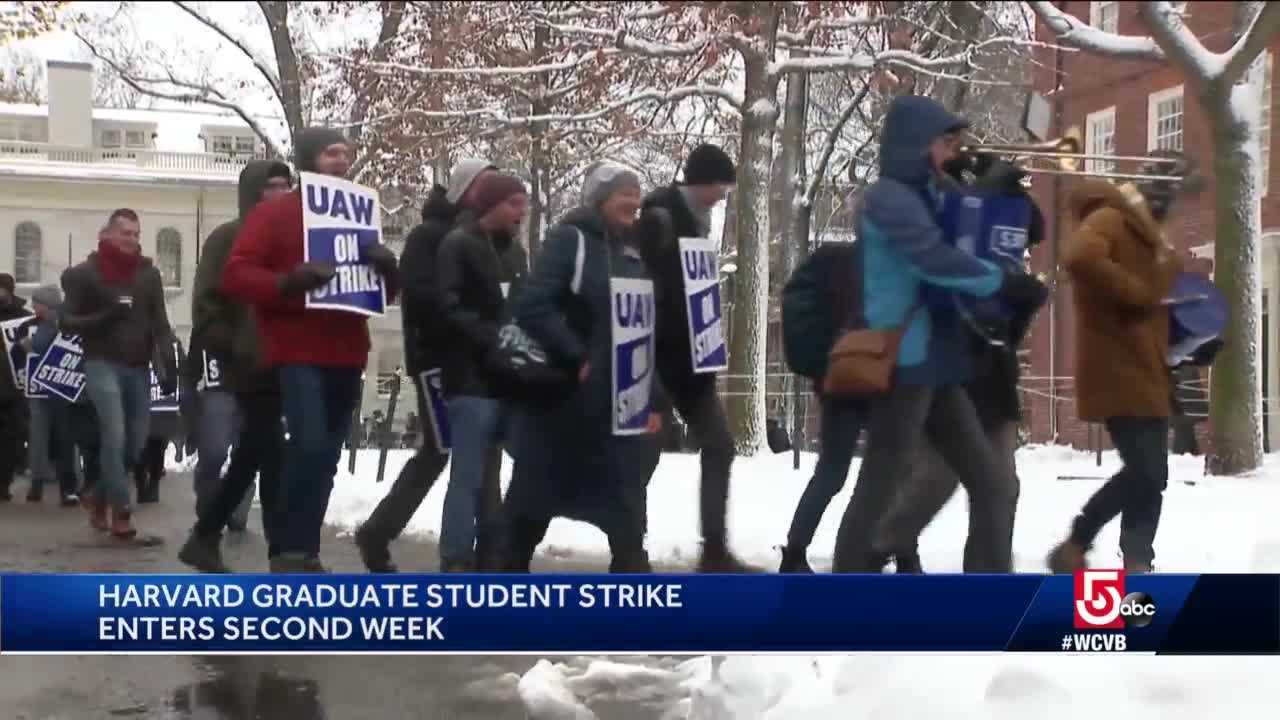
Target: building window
1260,73
27,251
233,144
245,145
1100,138
1105,16
1164,120
135,139
169,256
111,139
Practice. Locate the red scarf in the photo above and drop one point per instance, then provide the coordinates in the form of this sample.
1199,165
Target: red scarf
117,266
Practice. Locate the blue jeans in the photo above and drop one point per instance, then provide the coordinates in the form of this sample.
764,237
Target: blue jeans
216,433
50,417
318,403
121,397
476,427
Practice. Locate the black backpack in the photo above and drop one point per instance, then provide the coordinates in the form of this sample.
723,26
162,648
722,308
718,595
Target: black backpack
816,302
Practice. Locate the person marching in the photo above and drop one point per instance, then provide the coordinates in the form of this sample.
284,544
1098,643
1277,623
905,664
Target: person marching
421,308
240,403
51,448
908,275
318,355
1121,270
115,303
683,210
589,304
13,406
166,427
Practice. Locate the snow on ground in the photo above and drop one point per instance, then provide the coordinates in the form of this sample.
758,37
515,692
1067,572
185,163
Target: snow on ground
1210,524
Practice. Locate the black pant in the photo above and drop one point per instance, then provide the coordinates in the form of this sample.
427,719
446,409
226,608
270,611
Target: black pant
150,467
840,425
901,420
13,436
704,415
257,453
83,422
1136,493
1184,436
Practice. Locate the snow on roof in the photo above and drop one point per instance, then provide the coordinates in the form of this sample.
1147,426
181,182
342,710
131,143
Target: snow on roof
177,130
91,173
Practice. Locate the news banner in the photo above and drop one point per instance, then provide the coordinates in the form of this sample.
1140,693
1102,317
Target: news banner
1092,611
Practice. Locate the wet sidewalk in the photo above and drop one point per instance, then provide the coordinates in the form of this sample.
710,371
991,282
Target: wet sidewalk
48,538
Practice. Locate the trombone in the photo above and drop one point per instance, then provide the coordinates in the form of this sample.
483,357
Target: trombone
1065,155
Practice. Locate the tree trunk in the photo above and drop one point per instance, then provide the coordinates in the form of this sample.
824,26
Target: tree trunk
747,352
277,15
1235,393
795,229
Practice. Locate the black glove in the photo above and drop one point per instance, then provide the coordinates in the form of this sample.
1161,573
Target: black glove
306,277
1000,176
382,259
1023,289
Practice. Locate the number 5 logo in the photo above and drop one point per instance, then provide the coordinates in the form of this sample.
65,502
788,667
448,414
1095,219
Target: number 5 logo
1098,594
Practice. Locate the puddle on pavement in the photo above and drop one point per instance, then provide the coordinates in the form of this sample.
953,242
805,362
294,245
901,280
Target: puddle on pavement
241,689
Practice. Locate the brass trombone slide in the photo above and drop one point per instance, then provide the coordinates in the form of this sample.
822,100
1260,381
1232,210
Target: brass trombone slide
1066,151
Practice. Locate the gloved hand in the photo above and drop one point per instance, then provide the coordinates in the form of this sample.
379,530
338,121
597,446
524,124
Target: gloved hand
1023,289
999,175
305,277
382,259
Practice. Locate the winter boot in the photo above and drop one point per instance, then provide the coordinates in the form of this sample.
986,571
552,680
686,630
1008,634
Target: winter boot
1067,557
122,525
1138,567
375,554
716,558
35,495
908,563
457,566
289,562
203,553
794,560
97,508
313,565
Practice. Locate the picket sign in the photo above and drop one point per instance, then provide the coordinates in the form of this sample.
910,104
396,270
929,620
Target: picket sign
340,219
700,268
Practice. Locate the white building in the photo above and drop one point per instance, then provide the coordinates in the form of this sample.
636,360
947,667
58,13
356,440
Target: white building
64,167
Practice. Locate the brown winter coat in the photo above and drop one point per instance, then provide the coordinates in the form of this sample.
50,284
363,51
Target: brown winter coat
1120,270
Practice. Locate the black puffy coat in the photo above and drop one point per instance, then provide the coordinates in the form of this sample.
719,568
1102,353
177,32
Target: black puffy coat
421,303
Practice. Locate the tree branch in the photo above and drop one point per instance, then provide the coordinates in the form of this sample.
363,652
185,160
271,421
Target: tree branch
1181,46
829,147
494,72
1074,33
1265,26
264,68
826,62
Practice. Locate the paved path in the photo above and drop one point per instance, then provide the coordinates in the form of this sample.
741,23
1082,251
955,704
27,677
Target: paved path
48,538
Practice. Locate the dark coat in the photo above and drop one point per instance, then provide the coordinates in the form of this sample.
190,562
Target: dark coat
124,335
220,326
665,218
1121,270
421,304
8,387
567,461
472,268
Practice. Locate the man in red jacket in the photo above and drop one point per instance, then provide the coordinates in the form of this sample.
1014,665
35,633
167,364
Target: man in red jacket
318,355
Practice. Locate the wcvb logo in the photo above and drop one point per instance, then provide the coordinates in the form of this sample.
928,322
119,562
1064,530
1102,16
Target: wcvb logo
1098,595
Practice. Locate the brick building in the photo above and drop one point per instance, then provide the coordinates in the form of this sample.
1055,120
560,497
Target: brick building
1131,108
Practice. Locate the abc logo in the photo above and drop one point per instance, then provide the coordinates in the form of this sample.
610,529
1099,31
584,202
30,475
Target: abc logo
1137,609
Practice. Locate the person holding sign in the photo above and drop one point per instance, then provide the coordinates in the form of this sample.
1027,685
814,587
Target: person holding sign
115,303
589,302
13,408
239,399
675,228
313,322
50,415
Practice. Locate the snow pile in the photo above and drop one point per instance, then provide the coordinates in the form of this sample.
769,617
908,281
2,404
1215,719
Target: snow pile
1236,513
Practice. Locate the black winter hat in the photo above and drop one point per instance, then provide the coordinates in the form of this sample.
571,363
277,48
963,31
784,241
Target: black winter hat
7,282
709,165
311,142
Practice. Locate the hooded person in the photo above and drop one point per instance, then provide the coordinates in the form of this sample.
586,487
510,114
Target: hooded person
115,302
239,408
318,355
13,406
683,210
1122,270
909,274
421,312
589,304
51,450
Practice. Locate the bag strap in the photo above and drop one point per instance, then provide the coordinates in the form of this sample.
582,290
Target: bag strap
579,260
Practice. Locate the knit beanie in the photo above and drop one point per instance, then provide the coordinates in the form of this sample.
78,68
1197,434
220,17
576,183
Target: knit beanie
603,179
709,165
491,190
48,295
463,175
7,282
311,142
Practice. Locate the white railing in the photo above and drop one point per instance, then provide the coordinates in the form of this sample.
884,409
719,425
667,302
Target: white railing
157,161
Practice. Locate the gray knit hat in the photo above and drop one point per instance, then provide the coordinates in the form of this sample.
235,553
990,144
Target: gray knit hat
463,174
48,295
604,178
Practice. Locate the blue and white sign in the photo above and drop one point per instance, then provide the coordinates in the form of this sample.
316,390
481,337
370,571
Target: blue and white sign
632,315
61,370
34,390
700,268
431,382
339,220
14,332
211,373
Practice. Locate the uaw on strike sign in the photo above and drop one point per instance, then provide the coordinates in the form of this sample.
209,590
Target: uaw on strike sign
339,220
700,269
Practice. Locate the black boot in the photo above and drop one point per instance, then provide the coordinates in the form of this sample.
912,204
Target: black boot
795,561
716,558
908,563
376,554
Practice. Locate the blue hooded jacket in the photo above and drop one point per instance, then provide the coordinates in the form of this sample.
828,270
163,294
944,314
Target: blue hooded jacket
907,264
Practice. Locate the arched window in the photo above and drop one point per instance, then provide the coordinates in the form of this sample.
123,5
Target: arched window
27,252
169,256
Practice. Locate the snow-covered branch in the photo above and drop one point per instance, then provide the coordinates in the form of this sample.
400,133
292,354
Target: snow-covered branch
1074,33
1263,30
826,62
263,67
623,40
829,147
492,72
1180,45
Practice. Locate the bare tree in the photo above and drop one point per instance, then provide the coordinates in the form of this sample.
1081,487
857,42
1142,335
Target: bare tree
1229,100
